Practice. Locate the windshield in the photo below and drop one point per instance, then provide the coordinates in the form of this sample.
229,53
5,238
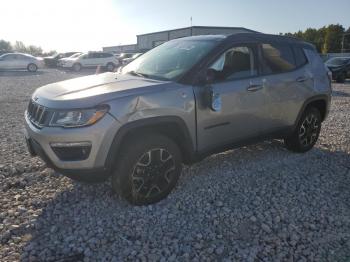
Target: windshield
337,61
170,60
76,55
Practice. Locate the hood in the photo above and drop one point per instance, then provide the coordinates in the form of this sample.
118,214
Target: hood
334,67
89,91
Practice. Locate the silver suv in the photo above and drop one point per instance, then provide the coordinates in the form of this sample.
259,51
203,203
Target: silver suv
178,103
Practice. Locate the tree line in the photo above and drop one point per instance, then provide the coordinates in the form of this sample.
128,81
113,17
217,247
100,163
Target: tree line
19,46
327,39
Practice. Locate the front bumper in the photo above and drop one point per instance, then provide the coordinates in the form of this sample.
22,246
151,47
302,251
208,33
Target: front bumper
100,135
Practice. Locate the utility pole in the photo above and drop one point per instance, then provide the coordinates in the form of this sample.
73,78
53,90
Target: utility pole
191,26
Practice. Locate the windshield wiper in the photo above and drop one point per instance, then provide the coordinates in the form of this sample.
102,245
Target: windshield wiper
138,74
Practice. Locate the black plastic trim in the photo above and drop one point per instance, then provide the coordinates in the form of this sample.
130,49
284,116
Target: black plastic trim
144,123
310,100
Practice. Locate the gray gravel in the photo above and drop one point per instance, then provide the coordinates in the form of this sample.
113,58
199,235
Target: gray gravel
257,203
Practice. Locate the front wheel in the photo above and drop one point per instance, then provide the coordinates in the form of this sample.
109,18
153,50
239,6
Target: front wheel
77,67
148,169
32,67
306,133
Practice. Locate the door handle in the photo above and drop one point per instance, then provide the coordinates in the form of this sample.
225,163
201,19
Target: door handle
301,79
253,88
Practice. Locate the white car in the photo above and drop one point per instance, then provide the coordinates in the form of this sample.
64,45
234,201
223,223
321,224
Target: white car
91,59
129,59
20,61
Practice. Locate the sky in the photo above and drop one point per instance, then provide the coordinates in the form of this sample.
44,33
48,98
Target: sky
82,25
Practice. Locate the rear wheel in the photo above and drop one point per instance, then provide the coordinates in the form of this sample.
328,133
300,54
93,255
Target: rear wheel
147,169
110,67
32,67
306,133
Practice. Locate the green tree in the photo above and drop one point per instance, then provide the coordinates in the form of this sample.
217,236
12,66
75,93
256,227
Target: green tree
34,50
5,46
20,47
333,38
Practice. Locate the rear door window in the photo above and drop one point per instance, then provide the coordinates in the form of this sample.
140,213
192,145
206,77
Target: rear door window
277,58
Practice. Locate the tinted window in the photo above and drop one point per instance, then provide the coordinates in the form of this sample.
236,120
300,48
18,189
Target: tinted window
9,57
300,58
106,55
235,63
277,58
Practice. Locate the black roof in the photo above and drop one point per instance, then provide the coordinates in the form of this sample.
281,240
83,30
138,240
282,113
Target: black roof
250,37
205,27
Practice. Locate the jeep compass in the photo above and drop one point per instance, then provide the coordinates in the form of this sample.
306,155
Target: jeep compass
175,105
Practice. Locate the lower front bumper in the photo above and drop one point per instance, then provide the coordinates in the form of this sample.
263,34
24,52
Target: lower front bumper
92,174
100,136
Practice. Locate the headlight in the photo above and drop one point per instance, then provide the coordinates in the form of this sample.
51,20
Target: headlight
78,118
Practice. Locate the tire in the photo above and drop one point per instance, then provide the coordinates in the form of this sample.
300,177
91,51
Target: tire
306,132
32,67
110,67
147,170
76,67
341,78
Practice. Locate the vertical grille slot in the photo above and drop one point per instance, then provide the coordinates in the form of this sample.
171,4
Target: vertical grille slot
37,114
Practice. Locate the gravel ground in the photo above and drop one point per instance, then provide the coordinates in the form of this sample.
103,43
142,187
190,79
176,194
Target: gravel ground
257,203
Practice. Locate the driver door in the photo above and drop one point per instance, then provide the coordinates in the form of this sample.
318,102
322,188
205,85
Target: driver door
242,100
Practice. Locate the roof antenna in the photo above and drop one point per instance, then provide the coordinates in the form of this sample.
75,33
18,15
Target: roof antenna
191,21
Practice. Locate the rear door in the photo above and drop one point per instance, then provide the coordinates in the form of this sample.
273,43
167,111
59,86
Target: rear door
22,61
105,58
287,81
89,60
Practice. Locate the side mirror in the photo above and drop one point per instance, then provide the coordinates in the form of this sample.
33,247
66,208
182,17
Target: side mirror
210,76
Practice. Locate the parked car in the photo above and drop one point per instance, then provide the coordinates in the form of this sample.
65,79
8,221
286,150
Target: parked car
340,68
60,61
178,103
51,61
4,52
20,61
123,56
126,61
91,59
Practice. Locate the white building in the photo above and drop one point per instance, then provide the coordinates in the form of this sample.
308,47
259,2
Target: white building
146,42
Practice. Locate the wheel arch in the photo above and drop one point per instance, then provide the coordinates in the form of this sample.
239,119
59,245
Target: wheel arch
171,126
321,102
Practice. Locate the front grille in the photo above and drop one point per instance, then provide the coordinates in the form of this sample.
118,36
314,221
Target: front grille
37,114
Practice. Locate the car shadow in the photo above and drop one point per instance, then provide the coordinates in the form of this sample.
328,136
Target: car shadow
20,73
97,213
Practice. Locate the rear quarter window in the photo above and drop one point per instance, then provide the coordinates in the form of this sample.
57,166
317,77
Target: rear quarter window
300,58
277,58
